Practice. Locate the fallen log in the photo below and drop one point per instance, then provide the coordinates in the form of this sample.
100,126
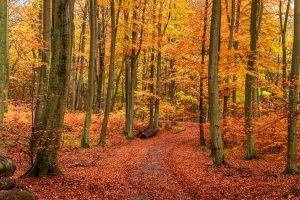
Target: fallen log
147,133
7,167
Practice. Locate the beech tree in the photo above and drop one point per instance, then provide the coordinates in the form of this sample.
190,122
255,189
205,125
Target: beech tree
213,89
46,160
291,167
4,64
92,66
43,79
110,87
249,85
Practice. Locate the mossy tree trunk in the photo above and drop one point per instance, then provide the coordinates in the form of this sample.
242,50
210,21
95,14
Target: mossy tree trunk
291,167
46,161
213,90
249,85
92,62
4,64
110,86
43,79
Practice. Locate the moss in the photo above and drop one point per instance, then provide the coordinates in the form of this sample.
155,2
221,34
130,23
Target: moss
130,137
291,171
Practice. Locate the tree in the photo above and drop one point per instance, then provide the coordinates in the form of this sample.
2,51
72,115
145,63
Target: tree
4,64
291,167
92,63
46,161
283,29
81,59
213,90
203,52
110,87
43,79
249,85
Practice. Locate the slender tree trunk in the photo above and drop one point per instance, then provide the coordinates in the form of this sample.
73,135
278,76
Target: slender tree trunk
203,52
236,47
134,62
117,87
231,21
283,29
249,86
291,167
46,161
111,73
215,131
92,64
81,59
159,60
152,66
172,90
4,63
102,45
127,70
43,79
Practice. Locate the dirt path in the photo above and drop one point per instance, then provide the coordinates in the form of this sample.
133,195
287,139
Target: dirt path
168,166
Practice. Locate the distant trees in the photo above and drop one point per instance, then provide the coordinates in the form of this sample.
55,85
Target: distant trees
4,63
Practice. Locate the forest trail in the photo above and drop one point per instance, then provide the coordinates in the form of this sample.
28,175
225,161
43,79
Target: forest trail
167,166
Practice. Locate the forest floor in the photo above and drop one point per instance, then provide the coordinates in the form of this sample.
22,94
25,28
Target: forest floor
168,166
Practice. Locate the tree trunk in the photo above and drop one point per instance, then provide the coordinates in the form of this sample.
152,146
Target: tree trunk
117,87
231,21
152,66
291,167
134,60
213,90
81,58
92,62
43,79
249,85
46,161
4,64
111,73
283,29
102,45
203,52
159,60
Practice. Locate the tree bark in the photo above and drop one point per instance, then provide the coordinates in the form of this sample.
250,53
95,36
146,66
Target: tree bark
291,167
43,79
203,52
110,86
213,90
4,64
92,64
249,85
46,161
283,29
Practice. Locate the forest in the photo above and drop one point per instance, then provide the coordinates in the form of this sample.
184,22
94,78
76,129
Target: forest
149,99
